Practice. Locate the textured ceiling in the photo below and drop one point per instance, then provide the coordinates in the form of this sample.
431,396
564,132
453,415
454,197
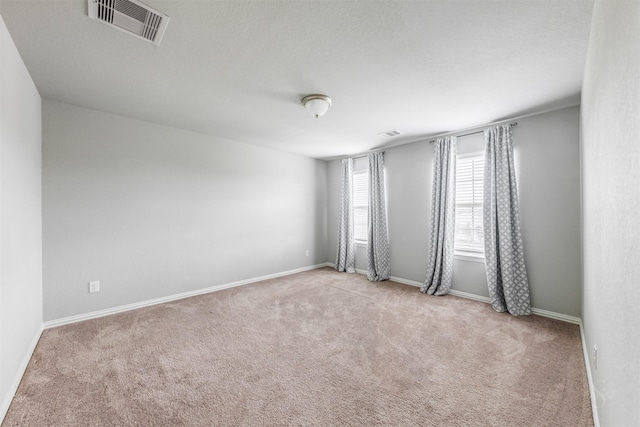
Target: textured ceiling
238,69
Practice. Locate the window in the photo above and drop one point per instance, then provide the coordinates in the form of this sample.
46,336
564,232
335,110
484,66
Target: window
469,234
360,205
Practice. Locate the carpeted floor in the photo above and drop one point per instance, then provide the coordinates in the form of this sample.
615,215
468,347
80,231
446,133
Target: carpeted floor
315,348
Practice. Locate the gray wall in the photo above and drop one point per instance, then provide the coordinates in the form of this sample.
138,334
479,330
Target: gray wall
611,209
152,211
408,180
547,151
20,217
333,206
547,160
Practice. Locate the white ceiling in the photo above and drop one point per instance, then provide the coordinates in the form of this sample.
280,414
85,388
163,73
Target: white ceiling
238,69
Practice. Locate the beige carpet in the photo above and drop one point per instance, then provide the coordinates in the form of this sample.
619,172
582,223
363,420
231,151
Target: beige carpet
315,348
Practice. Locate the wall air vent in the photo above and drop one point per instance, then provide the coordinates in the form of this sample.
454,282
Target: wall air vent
130,16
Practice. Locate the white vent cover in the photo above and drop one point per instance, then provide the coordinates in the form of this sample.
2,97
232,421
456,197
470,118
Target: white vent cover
390,133
130,16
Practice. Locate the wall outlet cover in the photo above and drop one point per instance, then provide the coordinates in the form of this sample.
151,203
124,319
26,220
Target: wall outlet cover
94,286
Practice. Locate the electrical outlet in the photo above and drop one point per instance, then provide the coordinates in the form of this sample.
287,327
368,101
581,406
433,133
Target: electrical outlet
94,286
306,252
595,357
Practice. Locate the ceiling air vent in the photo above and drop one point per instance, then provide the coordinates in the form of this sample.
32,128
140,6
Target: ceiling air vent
130,16
390,134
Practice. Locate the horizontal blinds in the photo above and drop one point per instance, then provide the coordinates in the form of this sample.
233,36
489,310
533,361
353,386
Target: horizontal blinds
469,235
360,204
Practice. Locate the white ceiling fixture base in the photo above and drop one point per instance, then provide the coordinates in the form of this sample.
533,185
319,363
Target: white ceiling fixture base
316,104
130,16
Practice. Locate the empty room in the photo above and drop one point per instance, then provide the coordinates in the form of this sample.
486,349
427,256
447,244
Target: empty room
321,212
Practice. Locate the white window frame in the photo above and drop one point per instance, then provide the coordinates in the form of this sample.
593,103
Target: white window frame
360,203
467,254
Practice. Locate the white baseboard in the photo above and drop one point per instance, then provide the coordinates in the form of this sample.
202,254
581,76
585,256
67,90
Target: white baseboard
557,316
155,301
6,402
404,281
592,390
481,298
467,295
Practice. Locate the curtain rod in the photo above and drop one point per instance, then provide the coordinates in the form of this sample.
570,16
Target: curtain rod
514,124
363,155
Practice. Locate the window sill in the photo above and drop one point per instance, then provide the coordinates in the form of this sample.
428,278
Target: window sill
469,256
361,243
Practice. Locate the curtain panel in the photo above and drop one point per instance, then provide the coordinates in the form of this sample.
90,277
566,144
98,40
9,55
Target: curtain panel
503,249
345,255
440,263
378,255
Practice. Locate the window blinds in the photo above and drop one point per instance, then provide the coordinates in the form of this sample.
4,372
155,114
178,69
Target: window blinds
469,235
360,205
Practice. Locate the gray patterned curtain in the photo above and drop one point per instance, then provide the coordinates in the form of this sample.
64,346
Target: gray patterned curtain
345,257
443,215
378,245
503,252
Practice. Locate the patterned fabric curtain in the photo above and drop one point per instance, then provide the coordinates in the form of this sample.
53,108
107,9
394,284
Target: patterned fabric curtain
503,252
443,215
345,257
378,247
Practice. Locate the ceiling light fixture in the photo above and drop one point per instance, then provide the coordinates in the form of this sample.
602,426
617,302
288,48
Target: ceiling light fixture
317,105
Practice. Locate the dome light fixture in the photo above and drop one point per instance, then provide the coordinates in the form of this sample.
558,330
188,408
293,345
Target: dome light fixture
317,105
